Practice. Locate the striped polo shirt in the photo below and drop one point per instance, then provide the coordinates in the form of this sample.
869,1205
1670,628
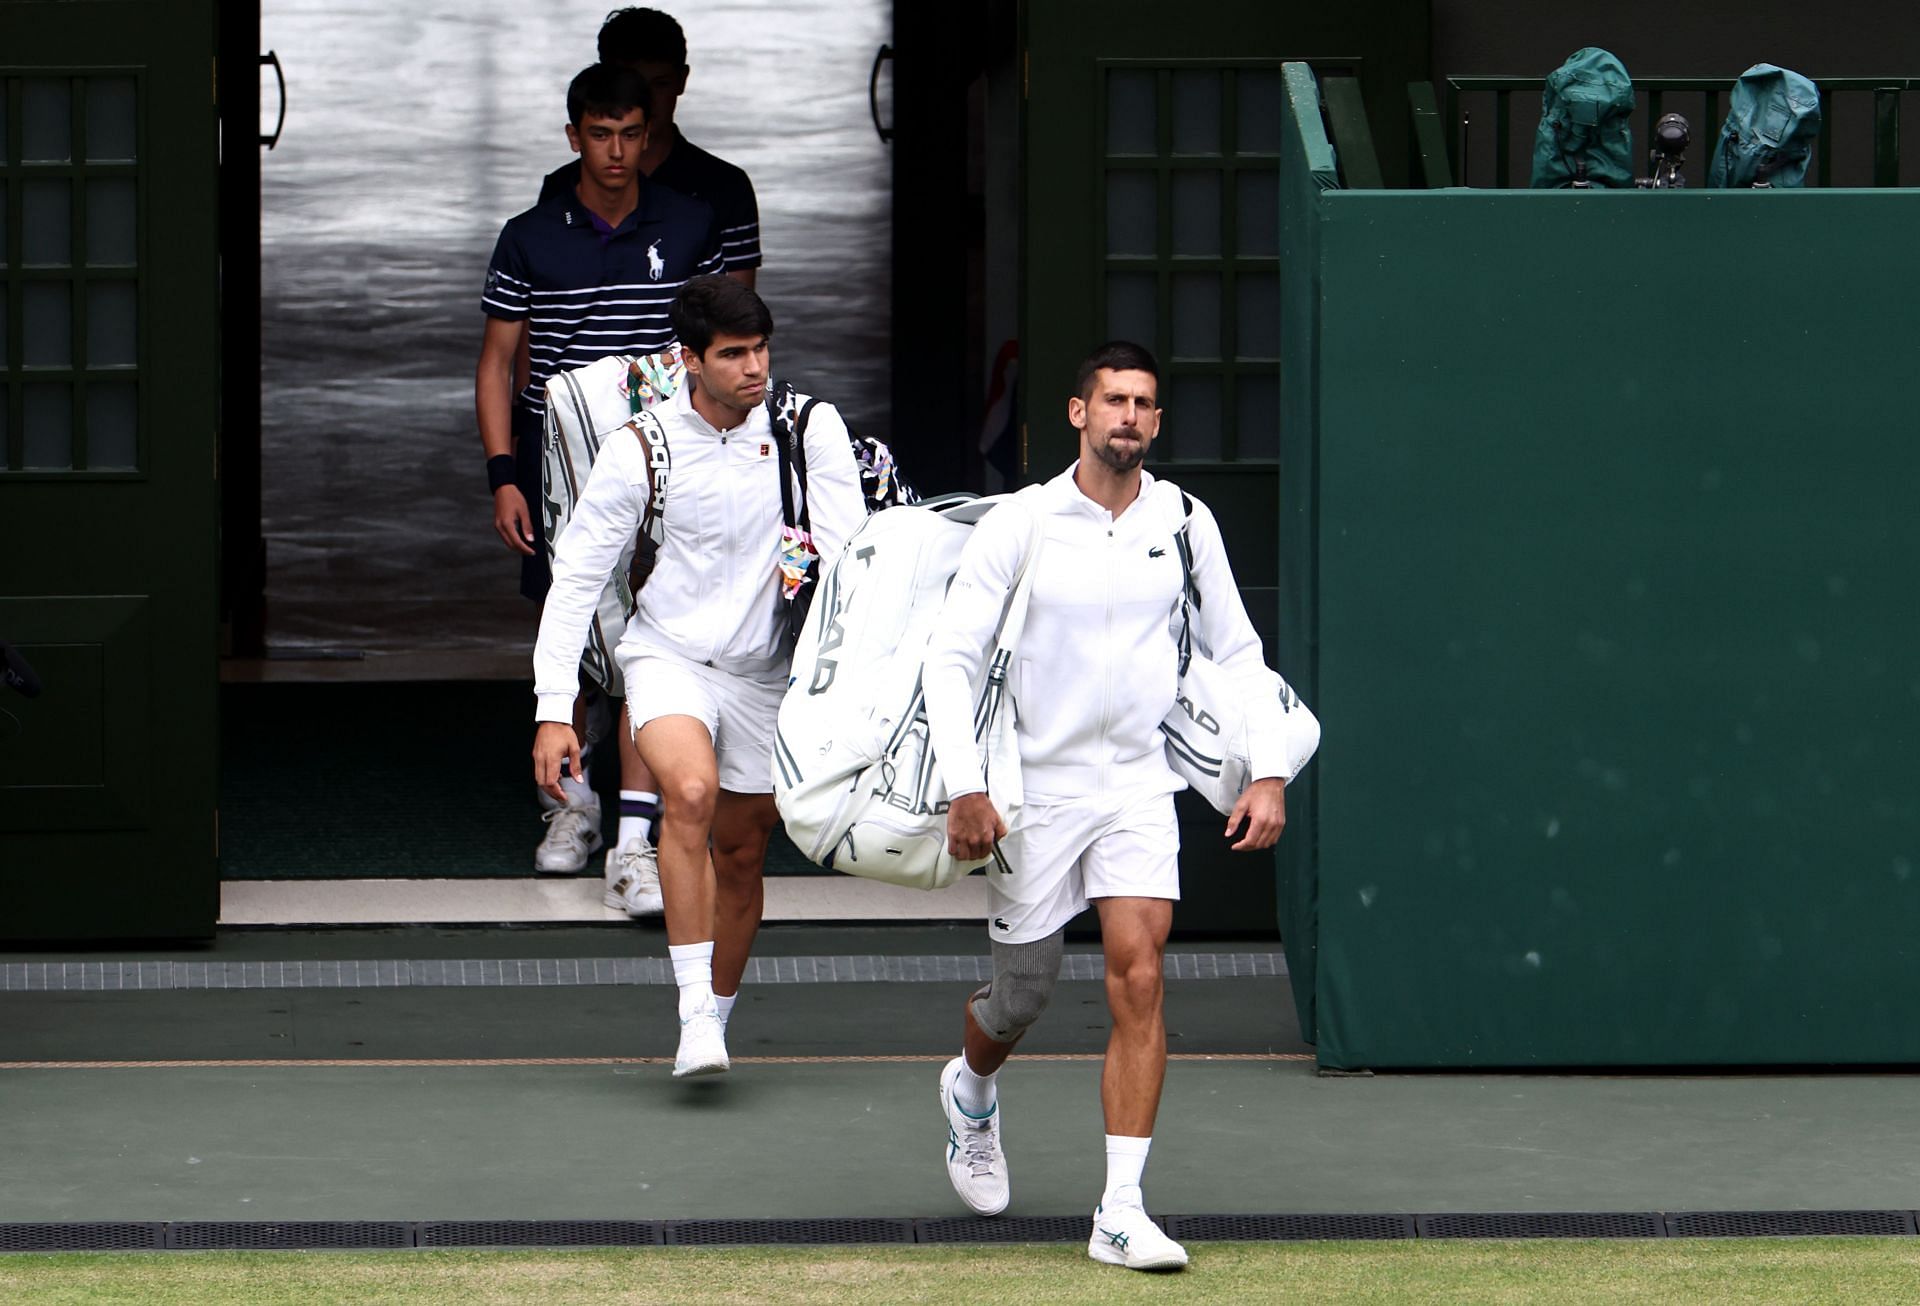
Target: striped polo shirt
692,171
586,290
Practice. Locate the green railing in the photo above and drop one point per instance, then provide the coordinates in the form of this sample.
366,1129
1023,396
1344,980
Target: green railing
1652,93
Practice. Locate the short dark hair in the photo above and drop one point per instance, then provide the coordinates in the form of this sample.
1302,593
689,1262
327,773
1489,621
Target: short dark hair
1115,356
607,90
636,35
717,306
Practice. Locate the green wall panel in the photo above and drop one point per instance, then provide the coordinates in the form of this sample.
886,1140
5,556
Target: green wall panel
1617,651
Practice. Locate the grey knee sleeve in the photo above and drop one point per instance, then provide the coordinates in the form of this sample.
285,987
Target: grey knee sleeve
1023,978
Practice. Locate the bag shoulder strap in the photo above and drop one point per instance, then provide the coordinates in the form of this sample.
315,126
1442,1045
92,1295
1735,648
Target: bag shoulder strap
647,428
1189,591
790,442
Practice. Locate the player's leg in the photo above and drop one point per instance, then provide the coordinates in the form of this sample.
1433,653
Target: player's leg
745,816
1028,906
679,751
742,825
1132,875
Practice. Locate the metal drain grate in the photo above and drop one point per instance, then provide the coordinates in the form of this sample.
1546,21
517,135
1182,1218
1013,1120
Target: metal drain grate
1006,1229
1543,1224
706,1233
1285,1228
539,1233
1787,1224
291,1235
104,1236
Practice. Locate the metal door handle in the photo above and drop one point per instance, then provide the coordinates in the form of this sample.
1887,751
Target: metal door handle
880,56
272,59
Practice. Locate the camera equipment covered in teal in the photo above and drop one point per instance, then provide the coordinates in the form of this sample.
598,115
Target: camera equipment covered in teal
1773,119
1586,130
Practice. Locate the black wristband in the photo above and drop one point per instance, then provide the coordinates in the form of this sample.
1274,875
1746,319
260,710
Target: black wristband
500,469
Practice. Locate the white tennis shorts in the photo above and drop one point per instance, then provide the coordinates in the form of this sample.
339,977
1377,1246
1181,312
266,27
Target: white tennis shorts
737,708
1065,854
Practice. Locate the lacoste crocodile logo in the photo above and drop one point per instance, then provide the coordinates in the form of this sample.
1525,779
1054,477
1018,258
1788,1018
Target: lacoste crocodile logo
1156,552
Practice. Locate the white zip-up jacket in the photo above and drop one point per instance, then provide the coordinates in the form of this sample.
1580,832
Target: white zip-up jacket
1098,663
714,594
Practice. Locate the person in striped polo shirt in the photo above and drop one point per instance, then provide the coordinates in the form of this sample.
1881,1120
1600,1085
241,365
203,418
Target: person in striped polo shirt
585,273
652,44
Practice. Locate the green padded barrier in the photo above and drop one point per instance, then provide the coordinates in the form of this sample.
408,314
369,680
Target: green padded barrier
1618,651
1306,169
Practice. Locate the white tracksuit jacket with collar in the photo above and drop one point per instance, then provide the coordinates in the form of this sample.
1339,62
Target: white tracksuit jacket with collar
714,594
1097,665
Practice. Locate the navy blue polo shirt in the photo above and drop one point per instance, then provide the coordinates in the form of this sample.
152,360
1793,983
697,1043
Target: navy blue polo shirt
692,171
586,290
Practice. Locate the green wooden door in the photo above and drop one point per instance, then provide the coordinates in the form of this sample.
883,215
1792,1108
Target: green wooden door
108,406
1152,214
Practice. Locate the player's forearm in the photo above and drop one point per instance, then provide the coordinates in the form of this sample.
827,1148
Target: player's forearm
493,404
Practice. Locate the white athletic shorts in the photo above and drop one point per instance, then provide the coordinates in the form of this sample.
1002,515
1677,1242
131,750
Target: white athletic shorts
1065,854
737,708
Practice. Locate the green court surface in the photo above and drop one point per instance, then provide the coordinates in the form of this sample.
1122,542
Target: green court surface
546,1100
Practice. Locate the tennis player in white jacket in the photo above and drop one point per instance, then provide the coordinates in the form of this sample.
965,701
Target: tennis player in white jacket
706,652
1095,675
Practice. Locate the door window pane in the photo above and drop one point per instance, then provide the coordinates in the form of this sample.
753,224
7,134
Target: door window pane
1193,417
1196,112
3,218
4,138
1196,213
1259,225
46,121
46,325
47,431
1133,223
112,338
113,425
111,215
1132,116
1259,416
4,356
1132,307
110,120
46,223
1262,111
1258,315
1196,315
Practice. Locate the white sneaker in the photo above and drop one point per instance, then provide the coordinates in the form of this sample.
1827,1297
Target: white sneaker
703,1045
572,833
1127,1235
633,880
975,1164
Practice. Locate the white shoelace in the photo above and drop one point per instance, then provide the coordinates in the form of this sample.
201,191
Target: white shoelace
976,1140
568,823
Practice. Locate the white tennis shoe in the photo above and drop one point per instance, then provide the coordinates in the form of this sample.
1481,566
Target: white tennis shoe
633,880
573,833
975,1164
703,1044
1126,1235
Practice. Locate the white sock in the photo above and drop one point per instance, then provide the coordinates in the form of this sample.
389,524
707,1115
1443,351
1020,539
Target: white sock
1126,1162
693,972
976,1094
725,1007
638,811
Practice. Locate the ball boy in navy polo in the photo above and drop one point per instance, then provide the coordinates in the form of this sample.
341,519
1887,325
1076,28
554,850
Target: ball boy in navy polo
587,272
